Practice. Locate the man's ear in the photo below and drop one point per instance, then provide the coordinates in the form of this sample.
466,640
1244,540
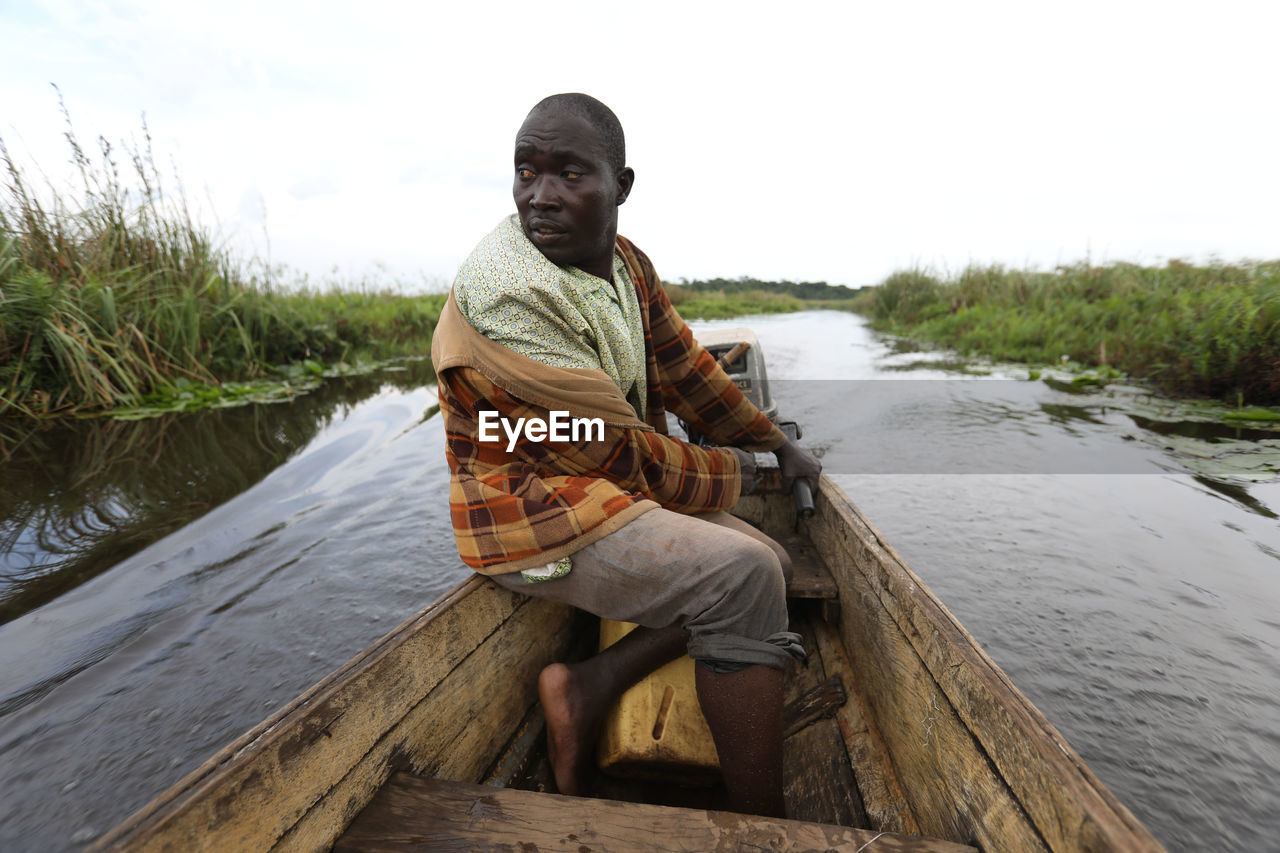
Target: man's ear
626,178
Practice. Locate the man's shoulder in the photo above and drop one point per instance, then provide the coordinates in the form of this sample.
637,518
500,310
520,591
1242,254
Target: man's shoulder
497,250
503,267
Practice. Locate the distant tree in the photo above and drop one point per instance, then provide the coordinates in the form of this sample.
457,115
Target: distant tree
798,289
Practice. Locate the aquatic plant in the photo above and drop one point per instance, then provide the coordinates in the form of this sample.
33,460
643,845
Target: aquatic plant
115,291
1212,329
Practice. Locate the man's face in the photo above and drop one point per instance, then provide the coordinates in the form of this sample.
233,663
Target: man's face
566,192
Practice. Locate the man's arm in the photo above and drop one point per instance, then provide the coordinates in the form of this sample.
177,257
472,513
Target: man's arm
680,476
694,387
698,391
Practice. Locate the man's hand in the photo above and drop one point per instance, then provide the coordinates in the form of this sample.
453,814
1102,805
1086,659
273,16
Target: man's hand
747,463
797,463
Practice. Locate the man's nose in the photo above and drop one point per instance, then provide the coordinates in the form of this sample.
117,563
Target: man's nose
544,195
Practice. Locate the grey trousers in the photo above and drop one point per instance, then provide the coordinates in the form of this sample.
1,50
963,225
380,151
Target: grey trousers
714,575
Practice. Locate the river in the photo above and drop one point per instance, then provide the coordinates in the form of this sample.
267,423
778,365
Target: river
167,585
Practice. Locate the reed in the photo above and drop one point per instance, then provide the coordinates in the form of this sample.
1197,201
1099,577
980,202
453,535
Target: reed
1210,329
113,291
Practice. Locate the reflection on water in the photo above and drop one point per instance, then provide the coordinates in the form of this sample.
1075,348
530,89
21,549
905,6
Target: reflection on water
81,496
1129,593
1064,414
1238,493
1203,430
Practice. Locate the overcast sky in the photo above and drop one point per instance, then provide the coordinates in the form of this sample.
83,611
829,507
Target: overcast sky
803,141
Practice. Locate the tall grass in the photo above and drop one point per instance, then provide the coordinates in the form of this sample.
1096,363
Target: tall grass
1212,329
113,290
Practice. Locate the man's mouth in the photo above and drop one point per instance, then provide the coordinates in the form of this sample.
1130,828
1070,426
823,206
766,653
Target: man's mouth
544,228
544,234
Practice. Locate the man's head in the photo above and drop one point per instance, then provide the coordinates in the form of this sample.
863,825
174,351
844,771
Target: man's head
571,175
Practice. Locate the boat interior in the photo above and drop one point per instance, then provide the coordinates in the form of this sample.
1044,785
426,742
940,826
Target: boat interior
837,770
901,734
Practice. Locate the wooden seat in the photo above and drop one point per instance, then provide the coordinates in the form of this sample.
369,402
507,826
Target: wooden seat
810,578
415,813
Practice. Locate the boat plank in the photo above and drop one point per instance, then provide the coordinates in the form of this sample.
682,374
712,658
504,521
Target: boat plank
520,752
818,784
883,798
252,792
957,692
809,577
456,732
764,509
817,703
412,813
934,755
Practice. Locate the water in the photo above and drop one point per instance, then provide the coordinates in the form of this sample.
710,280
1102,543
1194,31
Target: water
121,686
1132,598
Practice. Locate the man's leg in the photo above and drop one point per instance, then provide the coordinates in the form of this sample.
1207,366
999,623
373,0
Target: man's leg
725,589
576,697
744,712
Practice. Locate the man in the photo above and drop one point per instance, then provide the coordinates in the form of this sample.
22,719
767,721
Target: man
553,314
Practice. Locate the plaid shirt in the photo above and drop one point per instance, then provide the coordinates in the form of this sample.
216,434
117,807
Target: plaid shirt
546,499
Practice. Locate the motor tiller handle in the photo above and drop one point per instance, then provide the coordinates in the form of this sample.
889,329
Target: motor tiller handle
803,496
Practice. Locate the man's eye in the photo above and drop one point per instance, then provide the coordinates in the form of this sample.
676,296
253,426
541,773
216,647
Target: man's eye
573,176
526,174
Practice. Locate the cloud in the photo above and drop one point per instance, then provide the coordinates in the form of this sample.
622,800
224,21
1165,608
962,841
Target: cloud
312,186
831,142
252,207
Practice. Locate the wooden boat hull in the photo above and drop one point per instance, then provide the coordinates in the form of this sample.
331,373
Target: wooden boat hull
932,740
974,759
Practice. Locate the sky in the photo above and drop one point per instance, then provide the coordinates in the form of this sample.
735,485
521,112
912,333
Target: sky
371,142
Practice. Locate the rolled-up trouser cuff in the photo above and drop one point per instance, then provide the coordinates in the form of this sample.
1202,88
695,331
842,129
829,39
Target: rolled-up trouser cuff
722,653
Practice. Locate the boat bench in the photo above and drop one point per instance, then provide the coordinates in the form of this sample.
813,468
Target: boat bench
810,578
416,813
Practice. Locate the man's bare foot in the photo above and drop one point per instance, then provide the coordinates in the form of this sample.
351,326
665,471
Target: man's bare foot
572,725
576,696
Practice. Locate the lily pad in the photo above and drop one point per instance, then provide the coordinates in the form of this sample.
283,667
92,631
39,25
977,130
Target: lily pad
1226,459
1253,414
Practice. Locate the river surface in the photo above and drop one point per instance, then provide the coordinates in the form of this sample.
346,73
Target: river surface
165,586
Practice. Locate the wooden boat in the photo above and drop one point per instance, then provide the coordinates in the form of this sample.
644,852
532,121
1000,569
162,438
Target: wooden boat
902,735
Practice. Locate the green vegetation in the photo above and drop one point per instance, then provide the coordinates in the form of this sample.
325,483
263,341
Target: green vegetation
809,290
722,297
710,306
120,296
1211,330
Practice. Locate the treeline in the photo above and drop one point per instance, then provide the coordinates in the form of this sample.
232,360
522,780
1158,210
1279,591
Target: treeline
1209,329
745,284
117,293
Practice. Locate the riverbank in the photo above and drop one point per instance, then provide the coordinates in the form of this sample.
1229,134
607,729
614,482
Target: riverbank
1210,330
113,296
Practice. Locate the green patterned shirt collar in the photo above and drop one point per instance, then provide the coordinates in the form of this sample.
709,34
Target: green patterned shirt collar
561,316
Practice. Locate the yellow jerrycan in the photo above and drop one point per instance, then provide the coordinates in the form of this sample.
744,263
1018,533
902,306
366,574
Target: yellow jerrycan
656,731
